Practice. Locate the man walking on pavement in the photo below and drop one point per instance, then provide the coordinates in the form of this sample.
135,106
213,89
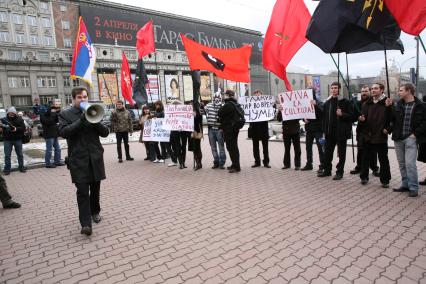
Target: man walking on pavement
121,124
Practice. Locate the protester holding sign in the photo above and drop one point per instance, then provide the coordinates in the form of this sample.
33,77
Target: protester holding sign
178,138
161,156
258,131
144,117
337,127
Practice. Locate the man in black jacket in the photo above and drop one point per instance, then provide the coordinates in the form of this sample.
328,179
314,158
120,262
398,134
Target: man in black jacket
313,129
337,126
409,129
85,158
13,130
49,120
227,116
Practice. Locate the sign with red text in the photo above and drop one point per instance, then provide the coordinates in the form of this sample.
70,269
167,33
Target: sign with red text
178,118
297,104
153,130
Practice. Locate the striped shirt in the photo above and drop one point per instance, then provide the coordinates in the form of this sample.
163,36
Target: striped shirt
406,127
211,110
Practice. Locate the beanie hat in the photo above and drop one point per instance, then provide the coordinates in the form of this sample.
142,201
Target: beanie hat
11,110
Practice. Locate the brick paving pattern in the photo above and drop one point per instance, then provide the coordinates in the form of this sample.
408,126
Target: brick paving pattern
165,225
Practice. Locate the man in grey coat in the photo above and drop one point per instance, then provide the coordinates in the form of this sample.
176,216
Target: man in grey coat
85,158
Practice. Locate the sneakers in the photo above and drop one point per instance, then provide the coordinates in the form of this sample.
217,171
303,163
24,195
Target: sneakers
161,161
156,161
86,231
11,205
172,164
96,218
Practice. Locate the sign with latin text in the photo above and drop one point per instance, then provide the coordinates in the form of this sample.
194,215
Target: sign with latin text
258,108
179,118
297,104
153,130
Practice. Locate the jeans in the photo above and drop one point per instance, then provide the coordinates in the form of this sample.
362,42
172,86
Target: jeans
125,137
52,142
310,136
256,152
231,140
8,153
88,201
215,139
406,154
295,139
370,152
330,145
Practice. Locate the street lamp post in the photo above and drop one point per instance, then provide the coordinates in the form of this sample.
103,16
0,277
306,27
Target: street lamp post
400,68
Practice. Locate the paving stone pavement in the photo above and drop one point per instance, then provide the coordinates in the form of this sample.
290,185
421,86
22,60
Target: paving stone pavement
165,225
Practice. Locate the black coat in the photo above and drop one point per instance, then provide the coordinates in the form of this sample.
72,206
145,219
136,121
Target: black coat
418,121
17,122
85,152
315,125
259,130
226,116
290,127
339,128
49,120
422,153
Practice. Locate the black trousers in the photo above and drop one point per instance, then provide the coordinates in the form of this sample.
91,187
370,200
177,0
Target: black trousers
370,151
310,136
4,194
360,155
231,140
256,152
330,145
154,151
198,155
179,141
122,136
88,201
288,140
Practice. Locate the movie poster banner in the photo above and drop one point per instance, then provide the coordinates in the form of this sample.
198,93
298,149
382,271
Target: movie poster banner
153,90
233,86
205,89
179,118
108,88
187,88
244,90
297,104
172,87
219,84
258,108
153,130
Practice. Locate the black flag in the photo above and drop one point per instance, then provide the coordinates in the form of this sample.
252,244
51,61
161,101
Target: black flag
196,84
353,26
139,90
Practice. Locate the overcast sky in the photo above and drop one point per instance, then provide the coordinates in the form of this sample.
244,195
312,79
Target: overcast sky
255,15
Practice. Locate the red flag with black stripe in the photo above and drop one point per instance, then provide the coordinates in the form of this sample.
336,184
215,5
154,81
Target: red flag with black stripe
231,64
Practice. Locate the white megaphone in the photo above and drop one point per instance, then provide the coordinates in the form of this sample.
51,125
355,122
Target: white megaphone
93,112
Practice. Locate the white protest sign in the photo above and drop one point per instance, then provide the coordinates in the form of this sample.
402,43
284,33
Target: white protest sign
258,108
153,130
178,118
297,104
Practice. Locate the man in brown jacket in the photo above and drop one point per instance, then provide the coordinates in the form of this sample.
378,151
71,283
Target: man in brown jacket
121,124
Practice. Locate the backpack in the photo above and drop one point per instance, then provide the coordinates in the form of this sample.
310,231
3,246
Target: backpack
239,119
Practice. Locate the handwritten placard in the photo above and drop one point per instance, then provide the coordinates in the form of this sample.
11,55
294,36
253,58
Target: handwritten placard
179,118
154,131
297,104
258,108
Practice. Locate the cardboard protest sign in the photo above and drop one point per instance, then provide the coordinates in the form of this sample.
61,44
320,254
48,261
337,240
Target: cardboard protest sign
154,131
258,108
297,104
178,118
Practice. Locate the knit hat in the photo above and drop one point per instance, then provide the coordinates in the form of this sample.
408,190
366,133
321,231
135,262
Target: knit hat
11,110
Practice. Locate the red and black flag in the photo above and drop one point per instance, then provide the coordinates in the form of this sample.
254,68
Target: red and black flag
231,64
139,91
410,15
353,26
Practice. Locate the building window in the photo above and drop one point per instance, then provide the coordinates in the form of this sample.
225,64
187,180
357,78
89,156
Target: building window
63,8
17,19
47,41
46,82
13,82
32,21
33,39
76,82
68,99
67,82
20,38
4,36
15,55
45,22
18,101
25,81
46,100
3,17
43,6
68,57
65,25
43,56
67,43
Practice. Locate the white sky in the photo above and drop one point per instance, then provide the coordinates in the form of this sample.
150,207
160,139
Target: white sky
255,15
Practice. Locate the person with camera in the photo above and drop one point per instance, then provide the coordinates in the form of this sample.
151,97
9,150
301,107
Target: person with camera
13,128
49,121
85,158
121,124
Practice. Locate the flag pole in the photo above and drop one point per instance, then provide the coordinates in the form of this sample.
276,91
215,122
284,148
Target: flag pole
423,45
386,66
349,94
338,70
417,62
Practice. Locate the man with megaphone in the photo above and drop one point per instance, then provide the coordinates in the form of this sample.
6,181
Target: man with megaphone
80,125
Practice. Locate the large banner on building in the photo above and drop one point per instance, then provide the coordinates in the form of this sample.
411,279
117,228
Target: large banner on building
219,84
205,88
258,108
108,25
172,87
187,88
108,88
179,118
297,104
153,130
153,90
